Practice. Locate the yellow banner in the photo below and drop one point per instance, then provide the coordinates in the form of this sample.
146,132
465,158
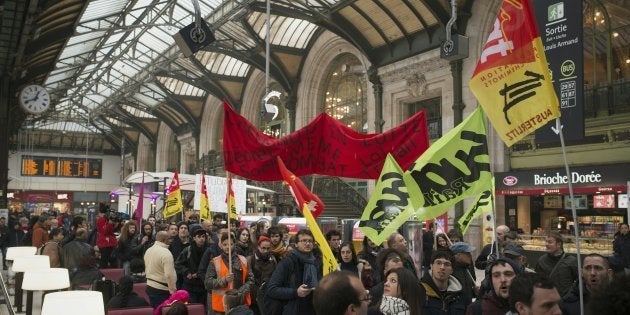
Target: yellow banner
455,167
389,206
173,204
512,81
482,204
330,263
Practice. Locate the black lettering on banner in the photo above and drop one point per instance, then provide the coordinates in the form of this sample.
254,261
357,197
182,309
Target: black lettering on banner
520,91
387,210
484,200
453,181
171,203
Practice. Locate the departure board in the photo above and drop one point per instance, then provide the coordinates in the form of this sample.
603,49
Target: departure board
61,167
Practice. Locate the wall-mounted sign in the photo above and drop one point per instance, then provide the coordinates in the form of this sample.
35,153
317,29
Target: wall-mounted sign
48,166
560,25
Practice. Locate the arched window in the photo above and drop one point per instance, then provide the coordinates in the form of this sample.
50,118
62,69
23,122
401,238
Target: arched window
346,96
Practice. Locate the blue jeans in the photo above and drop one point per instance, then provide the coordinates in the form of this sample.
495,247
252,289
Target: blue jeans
156,296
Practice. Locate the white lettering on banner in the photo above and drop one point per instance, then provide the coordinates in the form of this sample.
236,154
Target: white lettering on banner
496,44
558,179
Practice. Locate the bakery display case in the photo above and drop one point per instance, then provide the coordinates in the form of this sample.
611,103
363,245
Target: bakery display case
588,245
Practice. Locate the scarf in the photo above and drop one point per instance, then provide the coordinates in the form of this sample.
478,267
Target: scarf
310,271
263,257
394,306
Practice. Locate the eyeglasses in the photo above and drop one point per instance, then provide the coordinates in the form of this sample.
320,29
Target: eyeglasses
367,297
446,264
307,242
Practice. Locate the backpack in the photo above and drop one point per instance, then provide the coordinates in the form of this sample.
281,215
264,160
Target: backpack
108,287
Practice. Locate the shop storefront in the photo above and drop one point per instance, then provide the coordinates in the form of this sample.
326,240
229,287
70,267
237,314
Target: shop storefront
36,202
537,201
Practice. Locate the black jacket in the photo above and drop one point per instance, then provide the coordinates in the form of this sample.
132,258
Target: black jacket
72,252
621,246
563,275
284,283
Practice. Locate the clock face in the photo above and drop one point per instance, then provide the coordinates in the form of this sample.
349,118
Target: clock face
34,99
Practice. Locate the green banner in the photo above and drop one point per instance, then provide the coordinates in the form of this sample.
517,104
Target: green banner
455,167
389,206
482,204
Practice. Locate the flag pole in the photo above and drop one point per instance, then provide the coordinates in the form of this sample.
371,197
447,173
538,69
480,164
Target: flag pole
573,213
227,199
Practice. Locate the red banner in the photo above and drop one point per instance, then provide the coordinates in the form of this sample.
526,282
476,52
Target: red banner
324,146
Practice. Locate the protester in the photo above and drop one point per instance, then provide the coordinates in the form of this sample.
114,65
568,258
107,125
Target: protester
441,243
387,260
263,265
621,244
333,237
52,248
516,252
72,252
160,270
181,241
244,247
278,249
428,238
462,254
443,292
557,265
398,242
341,293
596,275
106,241
126,242
143,241
368,253
296,276
401,294
187,266
534,294
219,277
40,231
614,300
496,300
489,252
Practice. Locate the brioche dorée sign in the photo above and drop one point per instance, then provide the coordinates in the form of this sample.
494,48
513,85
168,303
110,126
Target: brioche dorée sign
600,178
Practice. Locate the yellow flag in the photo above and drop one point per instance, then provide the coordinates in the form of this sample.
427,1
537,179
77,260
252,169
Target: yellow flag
455,167
512,81
330,263
231,202
482,204
173,204
204,205
389,207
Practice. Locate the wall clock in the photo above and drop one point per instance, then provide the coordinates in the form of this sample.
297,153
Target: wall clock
34,99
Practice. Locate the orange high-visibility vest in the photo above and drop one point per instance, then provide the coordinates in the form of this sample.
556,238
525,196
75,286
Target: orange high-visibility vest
222,271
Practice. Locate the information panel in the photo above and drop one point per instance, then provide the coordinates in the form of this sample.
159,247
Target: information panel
48,166
560,26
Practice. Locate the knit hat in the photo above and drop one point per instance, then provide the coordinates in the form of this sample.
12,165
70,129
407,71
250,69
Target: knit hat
263,238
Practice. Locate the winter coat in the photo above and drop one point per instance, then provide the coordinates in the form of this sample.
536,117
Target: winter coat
282,288
451,302
571,301
563,275
105,237
188,263
490,305
72,252
621,247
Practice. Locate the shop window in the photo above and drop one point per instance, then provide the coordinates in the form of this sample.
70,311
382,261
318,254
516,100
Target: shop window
433,109
346,96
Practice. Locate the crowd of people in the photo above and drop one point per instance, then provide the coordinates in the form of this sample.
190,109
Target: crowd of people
262,269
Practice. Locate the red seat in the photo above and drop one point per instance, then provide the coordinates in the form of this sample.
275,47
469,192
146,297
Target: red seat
193,309
145,310
140,289
113,274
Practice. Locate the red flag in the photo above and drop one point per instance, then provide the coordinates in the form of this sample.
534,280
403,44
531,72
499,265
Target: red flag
303,196
137,215
173,204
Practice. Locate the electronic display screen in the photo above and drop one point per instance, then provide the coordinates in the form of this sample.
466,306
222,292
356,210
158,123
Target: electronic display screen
47,166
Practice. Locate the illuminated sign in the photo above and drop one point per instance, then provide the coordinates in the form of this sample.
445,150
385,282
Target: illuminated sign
47,166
